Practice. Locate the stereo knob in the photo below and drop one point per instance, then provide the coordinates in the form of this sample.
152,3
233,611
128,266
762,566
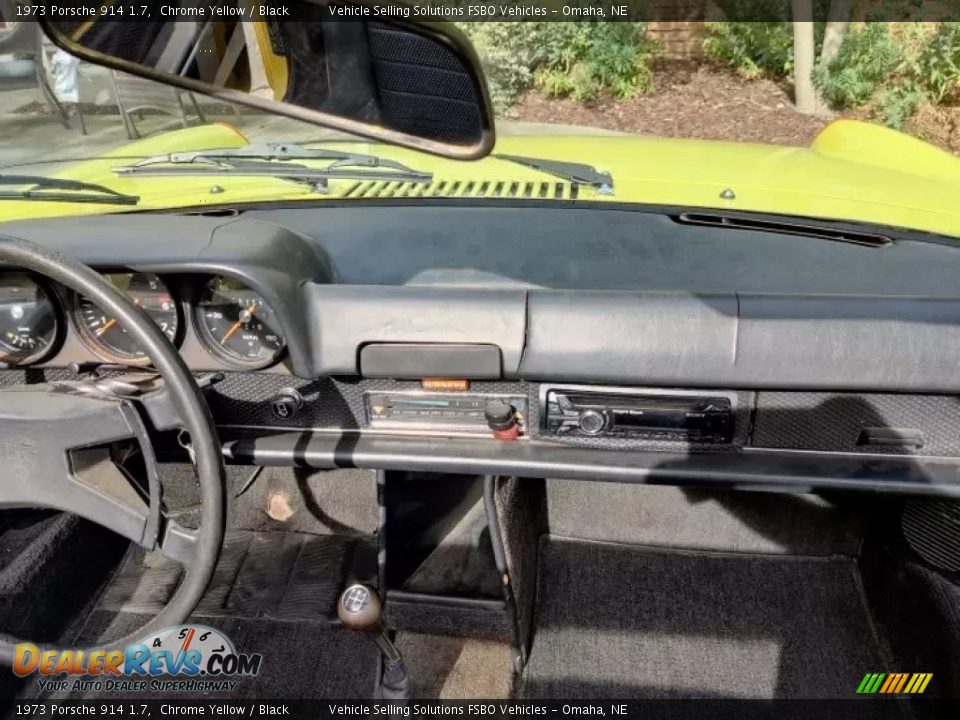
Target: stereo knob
592,422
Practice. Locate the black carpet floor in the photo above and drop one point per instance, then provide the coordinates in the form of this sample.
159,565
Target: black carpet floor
273,593
618,621
282,576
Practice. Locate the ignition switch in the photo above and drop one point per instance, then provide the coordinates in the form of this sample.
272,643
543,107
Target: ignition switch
501,420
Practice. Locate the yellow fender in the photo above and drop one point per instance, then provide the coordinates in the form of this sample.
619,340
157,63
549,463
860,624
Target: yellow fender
868,144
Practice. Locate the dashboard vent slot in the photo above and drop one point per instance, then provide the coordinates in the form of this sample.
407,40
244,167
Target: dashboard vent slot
932,528
465,189
219,212
785,227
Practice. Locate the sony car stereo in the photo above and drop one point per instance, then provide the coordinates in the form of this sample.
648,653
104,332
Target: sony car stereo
638,414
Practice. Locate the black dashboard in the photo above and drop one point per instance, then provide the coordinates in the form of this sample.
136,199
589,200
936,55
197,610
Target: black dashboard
839,361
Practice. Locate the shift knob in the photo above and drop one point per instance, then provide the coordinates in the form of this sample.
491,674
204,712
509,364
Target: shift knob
359,608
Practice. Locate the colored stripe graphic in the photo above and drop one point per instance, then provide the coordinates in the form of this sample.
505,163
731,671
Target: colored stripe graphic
903,681
894,683
870,683
891,682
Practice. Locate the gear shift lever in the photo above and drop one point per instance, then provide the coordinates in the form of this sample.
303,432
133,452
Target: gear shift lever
359,609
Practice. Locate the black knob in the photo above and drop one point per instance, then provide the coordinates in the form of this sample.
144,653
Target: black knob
499,415
286,403
592,422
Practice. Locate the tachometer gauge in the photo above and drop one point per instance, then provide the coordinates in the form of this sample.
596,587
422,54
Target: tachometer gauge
104,335
236,324
28,320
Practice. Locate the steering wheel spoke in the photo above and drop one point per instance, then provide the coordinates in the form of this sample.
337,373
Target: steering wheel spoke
55,454
178,542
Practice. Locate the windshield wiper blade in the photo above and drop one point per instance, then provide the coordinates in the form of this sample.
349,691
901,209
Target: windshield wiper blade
317,177
277,152
274,160
574,172
62,190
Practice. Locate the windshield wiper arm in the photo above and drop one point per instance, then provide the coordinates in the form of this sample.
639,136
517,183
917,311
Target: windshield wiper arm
62,190
274,160
574,172
317,177
279,152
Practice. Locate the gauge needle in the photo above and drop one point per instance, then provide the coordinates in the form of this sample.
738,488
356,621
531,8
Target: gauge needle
109,324
112,321
244,317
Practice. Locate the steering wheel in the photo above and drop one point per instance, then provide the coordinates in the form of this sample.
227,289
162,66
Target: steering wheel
43,427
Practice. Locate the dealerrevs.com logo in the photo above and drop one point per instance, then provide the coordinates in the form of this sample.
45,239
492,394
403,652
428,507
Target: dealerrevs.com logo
182,658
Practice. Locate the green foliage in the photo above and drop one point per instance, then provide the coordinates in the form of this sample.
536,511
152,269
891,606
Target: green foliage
887,69
752,49
868,58
897,104
937,69
893,74
580,59
508,54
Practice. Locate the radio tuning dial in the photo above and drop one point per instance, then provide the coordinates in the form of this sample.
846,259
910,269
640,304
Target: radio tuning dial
591,422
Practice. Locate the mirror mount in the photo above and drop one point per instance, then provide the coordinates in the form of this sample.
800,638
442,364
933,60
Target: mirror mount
406,82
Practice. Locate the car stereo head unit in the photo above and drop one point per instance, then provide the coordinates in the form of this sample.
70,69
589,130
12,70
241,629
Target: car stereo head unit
638,414
415,411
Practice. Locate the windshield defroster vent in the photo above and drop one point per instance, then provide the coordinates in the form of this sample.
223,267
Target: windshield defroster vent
785,227
465,189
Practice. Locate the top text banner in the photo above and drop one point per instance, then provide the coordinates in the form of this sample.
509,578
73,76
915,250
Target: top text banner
476,10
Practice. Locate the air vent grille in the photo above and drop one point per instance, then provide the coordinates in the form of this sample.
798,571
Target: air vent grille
465,189
932,527
785,227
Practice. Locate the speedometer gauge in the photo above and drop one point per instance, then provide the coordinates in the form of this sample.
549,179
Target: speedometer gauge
104,335
236,324
28,320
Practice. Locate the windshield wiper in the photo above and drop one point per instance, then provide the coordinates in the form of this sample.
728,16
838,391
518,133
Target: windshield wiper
574,172
61,190
273,151
274,160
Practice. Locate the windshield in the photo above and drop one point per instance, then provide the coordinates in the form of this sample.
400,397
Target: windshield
685,114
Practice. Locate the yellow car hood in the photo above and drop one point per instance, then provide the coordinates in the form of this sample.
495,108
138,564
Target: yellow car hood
852,171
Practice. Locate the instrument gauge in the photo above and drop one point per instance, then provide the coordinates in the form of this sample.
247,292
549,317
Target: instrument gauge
236,324
106,337
29,325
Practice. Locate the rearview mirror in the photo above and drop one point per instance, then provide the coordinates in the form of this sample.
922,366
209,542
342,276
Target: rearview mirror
410,83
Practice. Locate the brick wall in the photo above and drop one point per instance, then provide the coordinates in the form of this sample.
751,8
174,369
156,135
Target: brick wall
680,39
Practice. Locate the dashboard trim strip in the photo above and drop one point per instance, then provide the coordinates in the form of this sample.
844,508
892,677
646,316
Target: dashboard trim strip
782,471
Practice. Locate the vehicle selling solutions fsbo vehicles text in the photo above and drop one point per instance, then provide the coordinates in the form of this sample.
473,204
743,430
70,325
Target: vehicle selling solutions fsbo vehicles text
440,11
